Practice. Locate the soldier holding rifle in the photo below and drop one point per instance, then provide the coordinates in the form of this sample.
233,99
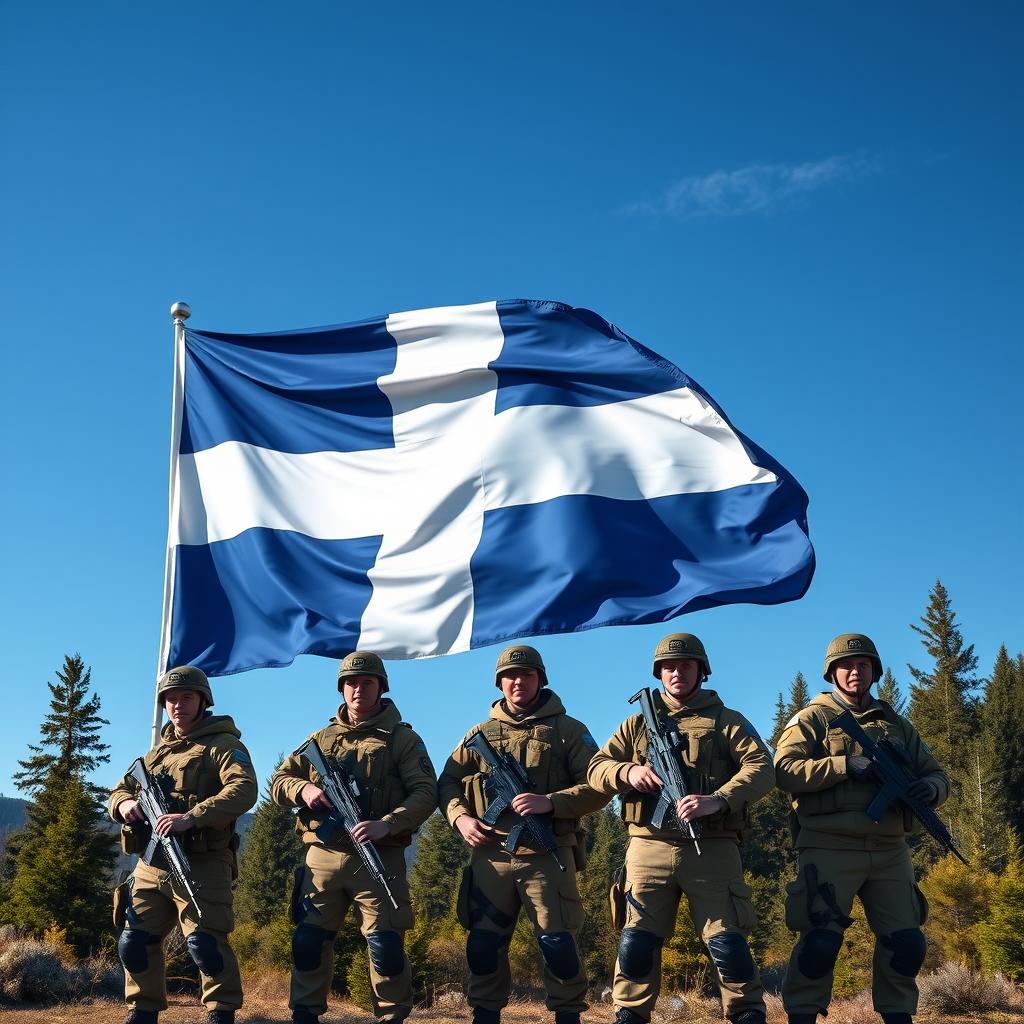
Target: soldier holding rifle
690,843
515,790
852,818
196,781
372,756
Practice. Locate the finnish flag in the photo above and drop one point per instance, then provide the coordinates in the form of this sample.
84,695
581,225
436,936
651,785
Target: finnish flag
443,479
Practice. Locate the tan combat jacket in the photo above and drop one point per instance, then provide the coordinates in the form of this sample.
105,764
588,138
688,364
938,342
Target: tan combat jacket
211,776
555,751
391,767
810,763
721,753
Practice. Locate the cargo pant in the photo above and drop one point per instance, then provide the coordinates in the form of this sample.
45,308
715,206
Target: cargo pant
147,908
657,874
330,883
818,905
494,887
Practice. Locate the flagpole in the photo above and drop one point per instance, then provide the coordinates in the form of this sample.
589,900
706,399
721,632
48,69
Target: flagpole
180,312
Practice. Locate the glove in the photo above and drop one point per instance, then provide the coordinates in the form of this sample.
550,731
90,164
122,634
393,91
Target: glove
860,768
925,791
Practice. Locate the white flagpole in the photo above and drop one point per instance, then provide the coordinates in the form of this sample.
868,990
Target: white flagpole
180,312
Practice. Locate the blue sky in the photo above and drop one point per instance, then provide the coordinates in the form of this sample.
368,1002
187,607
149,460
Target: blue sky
814,210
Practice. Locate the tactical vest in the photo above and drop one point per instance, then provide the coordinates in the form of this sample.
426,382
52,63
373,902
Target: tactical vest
537,746
192,777
370,757
850,794
707,766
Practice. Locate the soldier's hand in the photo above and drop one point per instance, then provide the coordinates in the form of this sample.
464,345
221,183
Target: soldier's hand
369,831
171,824
861,768
696,806
474,831
313,797
532,803
642,778
129,811
925,791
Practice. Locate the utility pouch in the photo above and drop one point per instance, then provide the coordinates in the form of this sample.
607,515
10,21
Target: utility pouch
134,838
579,852
617,899
124,913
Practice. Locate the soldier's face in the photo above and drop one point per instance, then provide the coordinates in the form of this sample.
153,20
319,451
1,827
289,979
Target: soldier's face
361,693
183,708
520,686
852,677
679,676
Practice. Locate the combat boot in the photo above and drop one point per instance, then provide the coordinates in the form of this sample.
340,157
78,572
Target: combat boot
141,1017
803,1018
482,1016
897,1018
220,1017
300,1015
567,1017
748,1017
625,1016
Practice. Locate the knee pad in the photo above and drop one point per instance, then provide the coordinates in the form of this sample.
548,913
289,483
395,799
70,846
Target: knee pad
559,952
908,948
731,955
202,947
818,953
308,946
133,949
636,953
387,953
482,951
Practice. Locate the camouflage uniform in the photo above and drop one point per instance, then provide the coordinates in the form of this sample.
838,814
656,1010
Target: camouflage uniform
399,787
555,751
723,755
843,854
211,776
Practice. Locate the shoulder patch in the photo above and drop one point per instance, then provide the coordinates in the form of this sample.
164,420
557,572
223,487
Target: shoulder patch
589,740
242,758
425,766
793,721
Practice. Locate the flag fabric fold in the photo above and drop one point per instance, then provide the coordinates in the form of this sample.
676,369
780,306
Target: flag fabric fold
438,480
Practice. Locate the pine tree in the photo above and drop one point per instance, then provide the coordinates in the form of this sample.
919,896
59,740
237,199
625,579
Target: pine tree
946,715
598,941
440,857
1001,937
1003,733
272,852
66,849
889,691
799,694
779,721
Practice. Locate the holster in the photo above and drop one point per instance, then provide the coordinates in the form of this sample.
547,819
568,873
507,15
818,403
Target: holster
617,898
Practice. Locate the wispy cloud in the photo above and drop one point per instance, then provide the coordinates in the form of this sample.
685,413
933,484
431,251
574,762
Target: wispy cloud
757,188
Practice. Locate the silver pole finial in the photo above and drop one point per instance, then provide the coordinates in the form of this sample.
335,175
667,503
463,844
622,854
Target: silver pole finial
181,311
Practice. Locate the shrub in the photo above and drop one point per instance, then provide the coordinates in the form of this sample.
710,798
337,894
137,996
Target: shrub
42,972
957,988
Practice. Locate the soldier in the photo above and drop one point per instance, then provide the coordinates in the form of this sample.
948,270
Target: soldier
399,793
843,853
727,768
201,760
529,721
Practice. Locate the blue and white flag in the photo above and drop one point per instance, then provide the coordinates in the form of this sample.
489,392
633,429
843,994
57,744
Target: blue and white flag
434,481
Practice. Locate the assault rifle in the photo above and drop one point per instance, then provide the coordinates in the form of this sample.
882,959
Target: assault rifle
663,744
341,789
153,803
506,780
890,762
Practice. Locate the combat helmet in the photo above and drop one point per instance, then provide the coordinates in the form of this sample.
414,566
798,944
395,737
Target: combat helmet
520,656
846,646
680,645
363,663
187,677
